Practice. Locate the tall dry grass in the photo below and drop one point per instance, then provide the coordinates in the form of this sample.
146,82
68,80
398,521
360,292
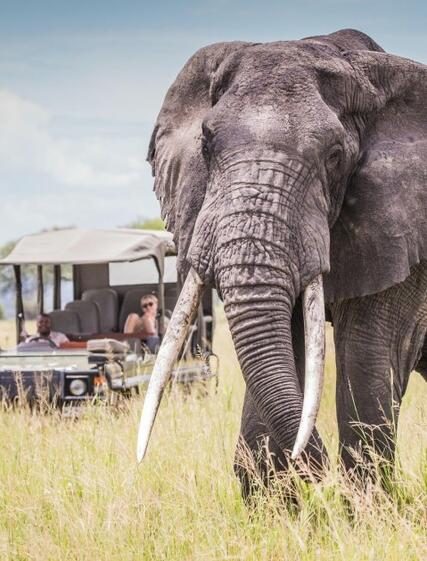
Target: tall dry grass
70,488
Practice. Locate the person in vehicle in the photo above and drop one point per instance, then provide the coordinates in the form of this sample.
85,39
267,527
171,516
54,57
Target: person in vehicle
45,333
146,322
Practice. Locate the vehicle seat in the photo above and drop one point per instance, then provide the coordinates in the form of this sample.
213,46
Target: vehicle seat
108,307
171,297
65,321
88,315
131,304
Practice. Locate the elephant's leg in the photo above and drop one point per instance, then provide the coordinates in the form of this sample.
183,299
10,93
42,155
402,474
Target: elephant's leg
378,341
421,367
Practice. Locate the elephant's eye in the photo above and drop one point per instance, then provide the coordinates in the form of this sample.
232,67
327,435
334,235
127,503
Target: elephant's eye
205,147
334,158
206,140
216,94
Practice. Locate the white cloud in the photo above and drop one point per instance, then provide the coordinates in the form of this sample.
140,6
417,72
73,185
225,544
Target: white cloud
62,171
27,143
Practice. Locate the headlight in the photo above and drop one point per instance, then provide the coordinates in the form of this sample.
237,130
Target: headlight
78,387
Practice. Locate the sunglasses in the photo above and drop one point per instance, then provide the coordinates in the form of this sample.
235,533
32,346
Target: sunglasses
147,305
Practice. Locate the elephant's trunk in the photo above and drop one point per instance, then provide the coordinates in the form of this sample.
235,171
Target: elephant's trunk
261,331
268,251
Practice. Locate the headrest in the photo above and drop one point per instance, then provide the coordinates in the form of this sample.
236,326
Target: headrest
108,305
65,321
88,313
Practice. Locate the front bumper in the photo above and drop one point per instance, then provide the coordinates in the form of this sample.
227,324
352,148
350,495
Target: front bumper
54,386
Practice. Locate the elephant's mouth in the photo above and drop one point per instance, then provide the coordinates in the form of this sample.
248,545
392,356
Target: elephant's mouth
185,310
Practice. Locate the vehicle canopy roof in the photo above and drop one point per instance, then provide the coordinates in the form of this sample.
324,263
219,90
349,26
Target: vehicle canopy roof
85,246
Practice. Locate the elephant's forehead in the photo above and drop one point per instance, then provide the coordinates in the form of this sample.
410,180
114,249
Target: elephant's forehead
282,55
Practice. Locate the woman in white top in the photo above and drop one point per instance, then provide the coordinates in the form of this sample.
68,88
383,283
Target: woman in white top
146,322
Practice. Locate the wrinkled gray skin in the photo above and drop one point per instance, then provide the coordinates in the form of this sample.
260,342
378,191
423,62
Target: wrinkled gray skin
274,163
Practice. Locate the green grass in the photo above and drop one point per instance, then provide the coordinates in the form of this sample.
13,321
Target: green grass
8,334
71,489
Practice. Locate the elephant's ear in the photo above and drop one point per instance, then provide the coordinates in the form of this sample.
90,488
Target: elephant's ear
381,231
175,147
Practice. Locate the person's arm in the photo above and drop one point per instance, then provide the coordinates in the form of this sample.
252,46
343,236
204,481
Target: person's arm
24,335
58,338
148,325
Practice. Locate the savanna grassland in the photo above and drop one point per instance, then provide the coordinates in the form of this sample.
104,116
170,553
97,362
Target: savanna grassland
71,489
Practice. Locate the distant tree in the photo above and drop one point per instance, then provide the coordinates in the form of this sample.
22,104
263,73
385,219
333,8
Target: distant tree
147,224
7,279
1,312
29,278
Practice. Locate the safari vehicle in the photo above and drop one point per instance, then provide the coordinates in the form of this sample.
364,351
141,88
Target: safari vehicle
111,270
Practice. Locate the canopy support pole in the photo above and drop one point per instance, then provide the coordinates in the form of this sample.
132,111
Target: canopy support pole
40,289
201,328
161,298
19,318
57,287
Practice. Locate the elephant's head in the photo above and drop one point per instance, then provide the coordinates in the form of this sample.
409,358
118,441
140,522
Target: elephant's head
276,164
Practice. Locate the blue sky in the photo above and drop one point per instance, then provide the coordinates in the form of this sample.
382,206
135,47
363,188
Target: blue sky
81,84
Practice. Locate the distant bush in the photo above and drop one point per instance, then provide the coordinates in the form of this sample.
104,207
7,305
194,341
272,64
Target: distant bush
2,314
147,224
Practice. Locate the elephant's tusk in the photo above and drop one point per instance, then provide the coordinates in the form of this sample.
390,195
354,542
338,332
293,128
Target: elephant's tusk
314,334
181,319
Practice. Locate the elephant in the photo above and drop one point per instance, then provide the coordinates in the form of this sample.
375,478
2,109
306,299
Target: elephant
293,177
